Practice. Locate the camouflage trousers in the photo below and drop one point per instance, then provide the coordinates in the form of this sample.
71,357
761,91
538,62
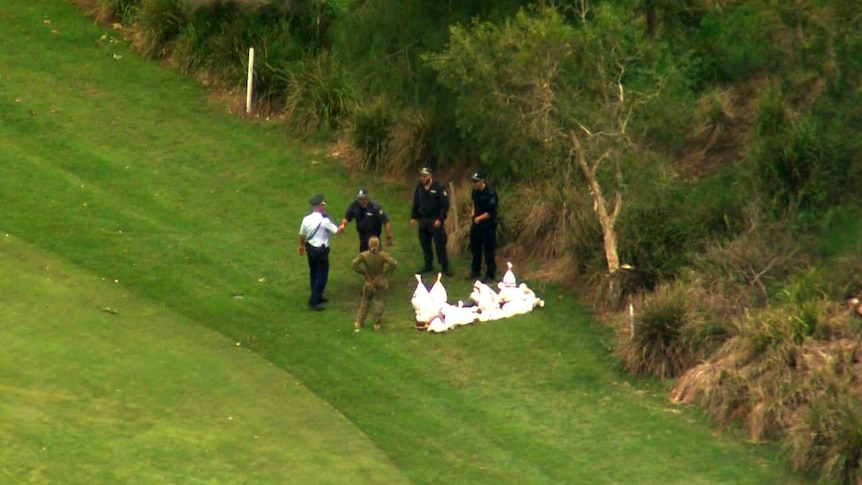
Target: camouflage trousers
372,299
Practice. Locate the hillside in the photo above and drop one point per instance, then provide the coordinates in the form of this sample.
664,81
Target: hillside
119,168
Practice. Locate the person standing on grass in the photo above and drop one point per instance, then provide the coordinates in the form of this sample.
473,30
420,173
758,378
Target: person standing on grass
430,207
375,265
314,235
483,230
370,219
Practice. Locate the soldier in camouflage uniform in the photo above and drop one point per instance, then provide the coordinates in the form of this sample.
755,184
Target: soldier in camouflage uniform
375,265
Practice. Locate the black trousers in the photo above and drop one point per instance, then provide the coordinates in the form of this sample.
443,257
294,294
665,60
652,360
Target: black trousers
318,272
483,241
429,233
363,240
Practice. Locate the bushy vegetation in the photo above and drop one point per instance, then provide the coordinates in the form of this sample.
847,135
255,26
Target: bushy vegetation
317,95
370,135
721,136
295,70
674,329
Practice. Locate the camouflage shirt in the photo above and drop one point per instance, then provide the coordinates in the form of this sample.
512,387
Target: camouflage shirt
375,267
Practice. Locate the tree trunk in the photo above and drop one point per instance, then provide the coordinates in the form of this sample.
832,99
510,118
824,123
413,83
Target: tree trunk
609,233
651,18
610,237
600,205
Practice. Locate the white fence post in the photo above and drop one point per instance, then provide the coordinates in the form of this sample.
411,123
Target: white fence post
250,82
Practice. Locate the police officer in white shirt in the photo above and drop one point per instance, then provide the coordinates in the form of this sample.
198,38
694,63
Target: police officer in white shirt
314,235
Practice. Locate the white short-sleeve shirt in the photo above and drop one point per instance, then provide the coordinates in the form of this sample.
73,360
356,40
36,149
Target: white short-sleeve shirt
316,229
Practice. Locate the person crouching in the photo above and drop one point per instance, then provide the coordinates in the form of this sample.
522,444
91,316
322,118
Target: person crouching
375,265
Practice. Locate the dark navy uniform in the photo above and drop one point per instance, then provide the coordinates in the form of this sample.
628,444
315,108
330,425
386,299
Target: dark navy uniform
431,204
369,221
483,234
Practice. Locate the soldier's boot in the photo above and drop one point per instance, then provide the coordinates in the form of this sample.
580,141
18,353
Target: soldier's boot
379,308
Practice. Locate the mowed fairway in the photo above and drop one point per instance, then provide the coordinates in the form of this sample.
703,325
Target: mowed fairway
125,171
99,386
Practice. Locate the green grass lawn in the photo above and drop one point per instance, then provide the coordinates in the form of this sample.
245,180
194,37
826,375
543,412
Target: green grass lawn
101,386
124,170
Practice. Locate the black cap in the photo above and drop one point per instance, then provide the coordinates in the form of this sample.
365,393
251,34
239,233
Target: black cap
425,171
362,193
477,176
317,200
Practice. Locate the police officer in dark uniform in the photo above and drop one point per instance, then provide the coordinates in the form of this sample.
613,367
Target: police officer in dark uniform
370,219
483,230
430,207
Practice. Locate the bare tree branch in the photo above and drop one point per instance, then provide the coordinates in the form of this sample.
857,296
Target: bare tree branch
606,221
599,160
581,8
618,196
621,96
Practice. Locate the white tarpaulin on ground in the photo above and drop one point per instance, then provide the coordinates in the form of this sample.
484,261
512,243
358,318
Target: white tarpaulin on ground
434,312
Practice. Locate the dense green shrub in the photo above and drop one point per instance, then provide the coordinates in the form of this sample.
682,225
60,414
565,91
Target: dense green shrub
506,93
775,329
828,437
370,134
841,236
411,141
522,86
189,49
212,37
318,94
804,167
666,222
752,264
215,36
652,240
657,334
664,124
382,42
734,44
673,328
275,52
123,11
160,22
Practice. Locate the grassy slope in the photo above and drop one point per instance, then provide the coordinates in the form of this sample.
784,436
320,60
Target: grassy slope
143,395
123,168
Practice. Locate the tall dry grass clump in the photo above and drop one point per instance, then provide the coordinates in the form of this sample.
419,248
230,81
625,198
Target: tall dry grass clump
826,435
388,141
672,328
714,116
122,11
553,223
157,24
411,142
318,95
792,374
750,264
370,135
